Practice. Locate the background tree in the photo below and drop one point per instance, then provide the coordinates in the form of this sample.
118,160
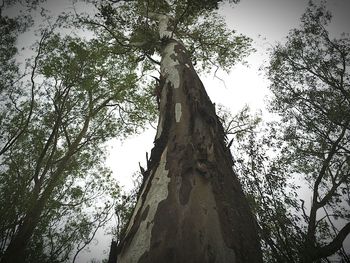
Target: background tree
310,82
123,212
267,181
55,116
308,147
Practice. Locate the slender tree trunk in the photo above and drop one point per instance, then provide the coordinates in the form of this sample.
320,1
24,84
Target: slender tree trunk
191,207
15,252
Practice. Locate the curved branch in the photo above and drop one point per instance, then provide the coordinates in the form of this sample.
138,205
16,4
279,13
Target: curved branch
335,245
14,138
108,30
153,60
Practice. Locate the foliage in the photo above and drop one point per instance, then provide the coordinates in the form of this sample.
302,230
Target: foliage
8,68
307,147
130,25
263,174
240,124
267,181
74,96
310,82
305,154
124,208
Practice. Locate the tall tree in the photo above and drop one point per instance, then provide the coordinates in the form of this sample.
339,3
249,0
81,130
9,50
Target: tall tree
191,207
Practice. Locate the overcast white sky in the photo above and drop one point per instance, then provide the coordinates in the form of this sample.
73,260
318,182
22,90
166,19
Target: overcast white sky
266,22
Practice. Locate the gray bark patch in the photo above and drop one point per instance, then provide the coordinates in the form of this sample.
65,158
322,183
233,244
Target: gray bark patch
145,213
185,190
178,112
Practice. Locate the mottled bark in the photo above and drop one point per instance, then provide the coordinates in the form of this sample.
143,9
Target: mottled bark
191,207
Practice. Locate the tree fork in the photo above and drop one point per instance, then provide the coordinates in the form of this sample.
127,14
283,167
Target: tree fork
191,207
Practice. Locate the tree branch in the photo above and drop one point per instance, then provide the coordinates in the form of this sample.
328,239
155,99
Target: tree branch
14,138
335,245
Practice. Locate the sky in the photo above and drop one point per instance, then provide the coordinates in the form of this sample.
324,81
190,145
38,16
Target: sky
267,23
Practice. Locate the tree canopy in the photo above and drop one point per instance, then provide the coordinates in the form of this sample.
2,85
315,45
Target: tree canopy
72,96
130,25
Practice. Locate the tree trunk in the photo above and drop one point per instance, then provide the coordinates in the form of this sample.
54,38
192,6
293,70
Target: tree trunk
16,250
191,207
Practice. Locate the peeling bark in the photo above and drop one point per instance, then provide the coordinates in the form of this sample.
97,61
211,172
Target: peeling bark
191,207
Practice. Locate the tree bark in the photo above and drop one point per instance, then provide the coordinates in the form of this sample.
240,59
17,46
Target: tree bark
191,207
